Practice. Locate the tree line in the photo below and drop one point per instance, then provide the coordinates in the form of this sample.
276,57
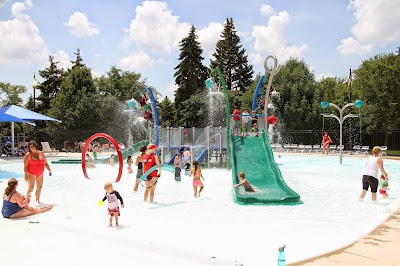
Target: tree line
87,104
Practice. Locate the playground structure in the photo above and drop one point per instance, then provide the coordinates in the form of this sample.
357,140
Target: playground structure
217,146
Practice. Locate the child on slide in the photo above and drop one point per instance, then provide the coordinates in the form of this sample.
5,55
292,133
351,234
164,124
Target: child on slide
245,183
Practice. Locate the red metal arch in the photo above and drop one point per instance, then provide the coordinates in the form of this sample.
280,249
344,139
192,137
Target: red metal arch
108,137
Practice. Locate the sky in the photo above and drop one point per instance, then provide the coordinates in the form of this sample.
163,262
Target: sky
143,36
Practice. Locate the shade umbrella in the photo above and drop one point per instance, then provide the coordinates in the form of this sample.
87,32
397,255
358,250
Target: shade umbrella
13,113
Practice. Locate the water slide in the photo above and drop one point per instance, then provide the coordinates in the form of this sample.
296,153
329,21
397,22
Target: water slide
253,156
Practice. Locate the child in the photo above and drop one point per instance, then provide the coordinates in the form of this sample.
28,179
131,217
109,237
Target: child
236,120
129,161
113,207
246,184
89,161
197,174
177,164
243,129
111,160
186,160
254,130
384,185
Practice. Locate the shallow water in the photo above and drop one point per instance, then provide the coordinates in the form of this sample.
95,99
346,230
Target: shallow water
214,226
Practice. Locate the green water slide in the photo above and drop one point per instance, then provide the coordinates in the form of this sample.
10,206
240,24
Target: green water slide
253,156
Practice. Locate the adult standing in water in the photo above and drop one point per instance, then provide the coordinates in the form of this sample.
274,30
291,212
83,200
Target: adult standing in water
326,141
34,164
139,164
370,174
150,159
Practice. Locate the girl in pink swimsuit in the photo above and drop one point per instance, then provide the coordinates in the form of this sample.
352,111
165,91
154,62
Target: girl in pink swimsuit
34,164
197,174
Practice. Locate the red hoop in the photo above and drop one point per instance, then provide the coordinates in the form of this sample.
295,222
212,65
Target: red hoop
108,137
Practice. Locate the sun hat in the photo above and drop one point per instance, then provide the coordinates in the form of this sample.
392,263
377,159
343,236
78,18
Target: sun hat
152,146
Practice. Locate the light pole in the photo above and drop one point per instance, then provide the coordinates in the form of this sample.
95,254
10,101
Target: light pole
35,84
340,118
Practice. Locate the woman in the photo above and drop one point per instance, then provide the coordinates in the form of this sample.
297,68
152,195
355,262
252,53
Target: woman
370,174
34,163
139,164
15,205
150,159
326,141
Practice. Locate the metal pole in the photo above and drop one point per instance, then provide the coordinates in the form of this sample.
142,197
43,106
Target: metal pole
208,146
34,95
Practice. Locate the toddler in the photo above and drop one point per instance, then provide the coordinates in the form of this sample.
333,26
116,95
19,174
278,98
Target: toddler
129,161
113,206
383,186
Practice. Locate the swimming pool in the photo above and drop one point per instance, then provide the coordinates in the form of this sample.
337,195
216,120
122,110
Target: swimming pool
211,230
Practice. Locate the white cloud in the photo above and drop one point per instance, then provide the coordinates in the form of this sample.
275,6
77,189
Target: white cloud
271,39
209,36
63,59
80,26
351,46
377,24
322,76
155,29
266,10
20,38
137,61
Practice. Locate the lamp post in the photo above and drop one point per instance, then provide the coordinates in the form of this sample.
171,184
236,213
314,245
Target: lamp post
35,84
340,118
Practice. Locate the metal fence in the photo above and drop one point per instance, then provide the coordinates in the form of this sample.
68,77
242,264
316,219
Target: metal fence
383,137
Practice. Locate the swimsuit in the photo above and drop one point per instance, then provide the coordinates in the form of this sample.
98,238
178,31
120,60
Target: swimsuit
10,208
149,162
139,170
197,183
36,167
249,189
113,206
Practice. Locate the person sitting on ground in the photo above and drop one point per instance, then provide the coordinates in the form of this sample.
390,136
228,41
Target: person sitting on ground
89,161
245,183
15,205
111,160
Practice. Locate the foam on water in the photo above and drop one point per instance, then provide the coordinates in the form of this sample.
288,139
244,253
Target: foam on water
214,226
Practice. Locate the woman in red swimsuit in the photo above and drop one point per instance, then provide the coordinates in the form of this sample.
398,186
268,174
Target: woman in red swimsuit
149,160
34,163
326,141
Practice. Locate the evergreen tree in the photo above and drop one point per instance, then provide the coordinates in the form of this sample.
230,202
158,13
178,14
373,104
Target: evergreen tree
166,113
230,57
78,61
190,73
50,86
76,105
119,83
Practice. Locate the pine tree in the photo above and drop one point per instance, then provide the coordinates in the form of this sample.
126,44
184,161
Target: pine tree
52,76
231,59
191,73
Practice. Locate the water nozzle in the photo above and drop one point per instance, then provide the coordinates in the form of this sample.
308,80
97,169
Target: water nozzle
282,248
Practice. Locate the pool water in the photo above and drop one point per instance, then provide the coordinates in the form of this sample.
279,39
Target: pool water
212,230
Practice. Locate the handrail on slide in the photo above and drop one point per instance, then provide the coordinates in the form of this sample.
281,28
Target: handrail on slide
254,156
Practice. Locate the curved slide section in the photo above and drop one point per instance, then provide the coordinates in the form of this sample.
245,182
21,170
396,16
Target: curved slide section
253,156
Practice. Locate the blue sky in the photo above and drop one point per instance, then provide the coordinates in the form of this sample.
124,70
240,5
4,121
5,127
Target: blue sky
144,36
